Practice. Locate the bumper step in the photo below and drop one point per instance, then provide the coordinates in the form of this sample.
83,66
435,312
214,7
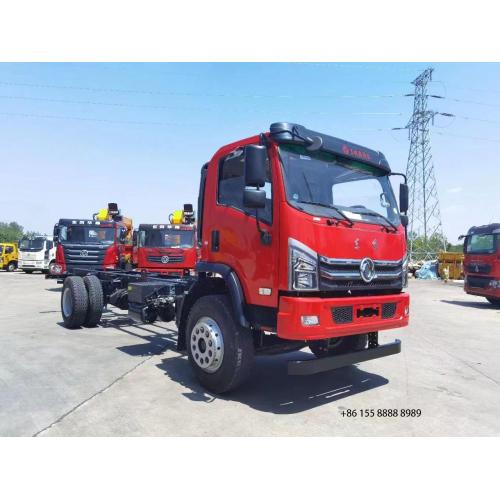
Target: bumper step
310,367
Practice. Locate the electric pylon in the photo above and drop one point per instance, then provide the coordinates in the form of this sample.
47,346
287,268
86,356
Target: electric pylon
425,232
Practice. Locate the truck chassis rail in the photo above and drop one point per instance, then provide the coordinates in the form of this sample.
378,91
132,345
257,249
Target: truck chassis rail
312,366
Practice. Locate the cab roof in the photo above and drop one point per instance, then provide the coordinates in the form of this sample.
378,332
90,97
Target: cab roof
293,133
487,229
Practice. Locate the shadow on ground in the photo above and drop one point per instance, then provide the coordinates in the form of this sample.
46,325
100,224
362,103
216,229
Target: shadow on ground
470,303
271,390
58,289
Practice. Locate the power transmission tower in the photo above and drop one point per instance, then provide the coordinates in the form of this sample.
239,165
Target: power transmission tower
425,234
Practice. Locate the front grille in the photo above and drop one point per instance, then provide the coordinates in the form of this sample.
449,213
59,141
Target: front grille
388,310
84,256
172,259
342,315
479,268
344,274
477,282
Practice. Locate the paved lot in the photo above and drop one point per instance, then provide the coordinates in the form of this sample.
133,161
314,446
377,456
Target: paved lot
125,380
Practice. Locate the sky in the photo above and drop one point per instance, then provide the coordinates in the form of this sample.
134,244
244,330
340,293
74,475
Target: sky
74,136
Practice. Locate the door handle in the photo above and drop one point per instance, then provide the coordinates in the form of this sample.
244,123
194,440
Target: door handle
215,240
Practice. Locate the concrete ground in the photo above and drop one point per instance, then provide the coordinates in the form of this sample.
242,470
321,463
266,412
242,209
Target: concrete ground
124,380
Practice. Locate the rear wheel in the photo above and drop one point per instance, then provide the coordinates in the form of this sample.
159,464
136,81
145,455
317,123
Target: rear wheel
495,302
220,351
96,300
11,266
74,302
338,345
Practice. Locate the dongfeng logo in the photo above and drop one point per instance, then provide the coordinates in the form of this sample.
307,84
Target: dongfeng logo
164,259
367,270
84,253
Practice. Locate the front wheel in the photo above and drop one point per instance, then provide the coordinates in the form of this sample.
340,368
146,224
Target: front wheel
220,351
11,266
493,301
338,345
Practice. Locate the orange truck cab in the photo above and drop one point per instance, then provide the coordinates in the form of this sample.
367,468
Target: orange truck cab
167,248
103,242
482,262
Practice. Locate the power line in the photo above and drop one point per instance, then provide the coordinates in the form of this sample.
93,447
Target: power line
468,137
98,103
102,120
191,94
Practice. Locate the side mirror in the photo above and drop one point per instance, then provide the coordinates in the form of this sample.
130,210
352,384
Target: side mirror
404,220
56,233
254,198
123,235
403,198
255,166
134,238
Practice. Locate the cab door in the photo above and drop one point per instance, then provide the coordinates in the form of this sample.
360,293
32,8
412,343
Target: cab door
233,236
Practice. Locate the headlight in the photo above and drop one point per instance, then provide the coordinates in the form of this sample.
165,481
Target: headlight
302,266
405,271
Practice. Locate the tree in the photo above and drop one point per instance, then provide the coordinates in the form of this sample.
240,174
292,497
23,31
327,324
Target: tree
31,234
10,231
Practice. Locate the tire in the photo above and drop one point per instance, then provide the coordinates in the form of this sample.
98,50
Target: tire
494,302
210,323
74,302
340,345
28,271
96,301
11,267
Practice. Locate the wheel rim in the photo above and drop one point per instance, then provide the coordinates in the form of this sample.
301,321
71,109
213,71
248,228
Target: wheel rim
207,345
67,302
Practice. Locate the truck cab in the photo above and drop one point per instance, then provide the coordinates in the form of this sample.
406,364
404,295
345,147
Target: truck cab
167,248
103,242
36,254
8,256
482,262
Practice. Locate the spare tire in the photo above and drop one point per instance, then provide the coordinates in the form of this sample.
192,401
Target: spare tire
74,302
96,300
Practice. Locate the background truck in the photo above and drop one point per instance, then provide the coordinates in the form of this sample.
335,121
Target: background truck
8,256
302,244
482,262
36,254
167,248
103,242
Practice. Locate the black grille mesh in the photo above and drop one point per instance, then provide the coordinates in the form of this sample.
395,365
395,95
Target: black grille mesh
342,315
388,310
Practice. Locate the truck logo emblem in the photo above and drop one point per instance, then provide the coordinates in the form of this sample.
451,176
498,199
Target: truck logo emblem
367,270
356,244
375,244
164,259
476,268
84,253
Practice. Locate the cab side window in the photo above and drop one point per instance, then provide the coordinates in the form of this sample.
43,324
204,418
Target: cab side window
232,184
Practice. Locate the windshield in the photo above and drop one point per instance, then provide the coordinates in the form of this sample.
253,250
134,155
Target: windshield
482,243
34,245
94,235
167,238
314,182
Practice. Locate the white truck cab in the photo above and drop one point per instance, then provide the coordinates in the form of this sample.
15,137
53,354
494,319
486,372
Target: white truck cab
36,254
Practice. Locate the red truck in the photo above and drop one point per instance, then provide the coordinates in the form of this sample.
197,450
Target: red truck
167,248
482,262
103,242
302,245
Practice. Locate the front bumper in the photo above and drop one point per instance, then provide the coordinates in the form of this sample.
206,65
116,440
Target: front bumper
33,264
367,314
312,366
483,292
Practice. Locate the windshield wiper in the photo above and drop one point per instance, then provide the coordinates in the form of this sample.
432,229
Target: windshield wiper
318,204
376,214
